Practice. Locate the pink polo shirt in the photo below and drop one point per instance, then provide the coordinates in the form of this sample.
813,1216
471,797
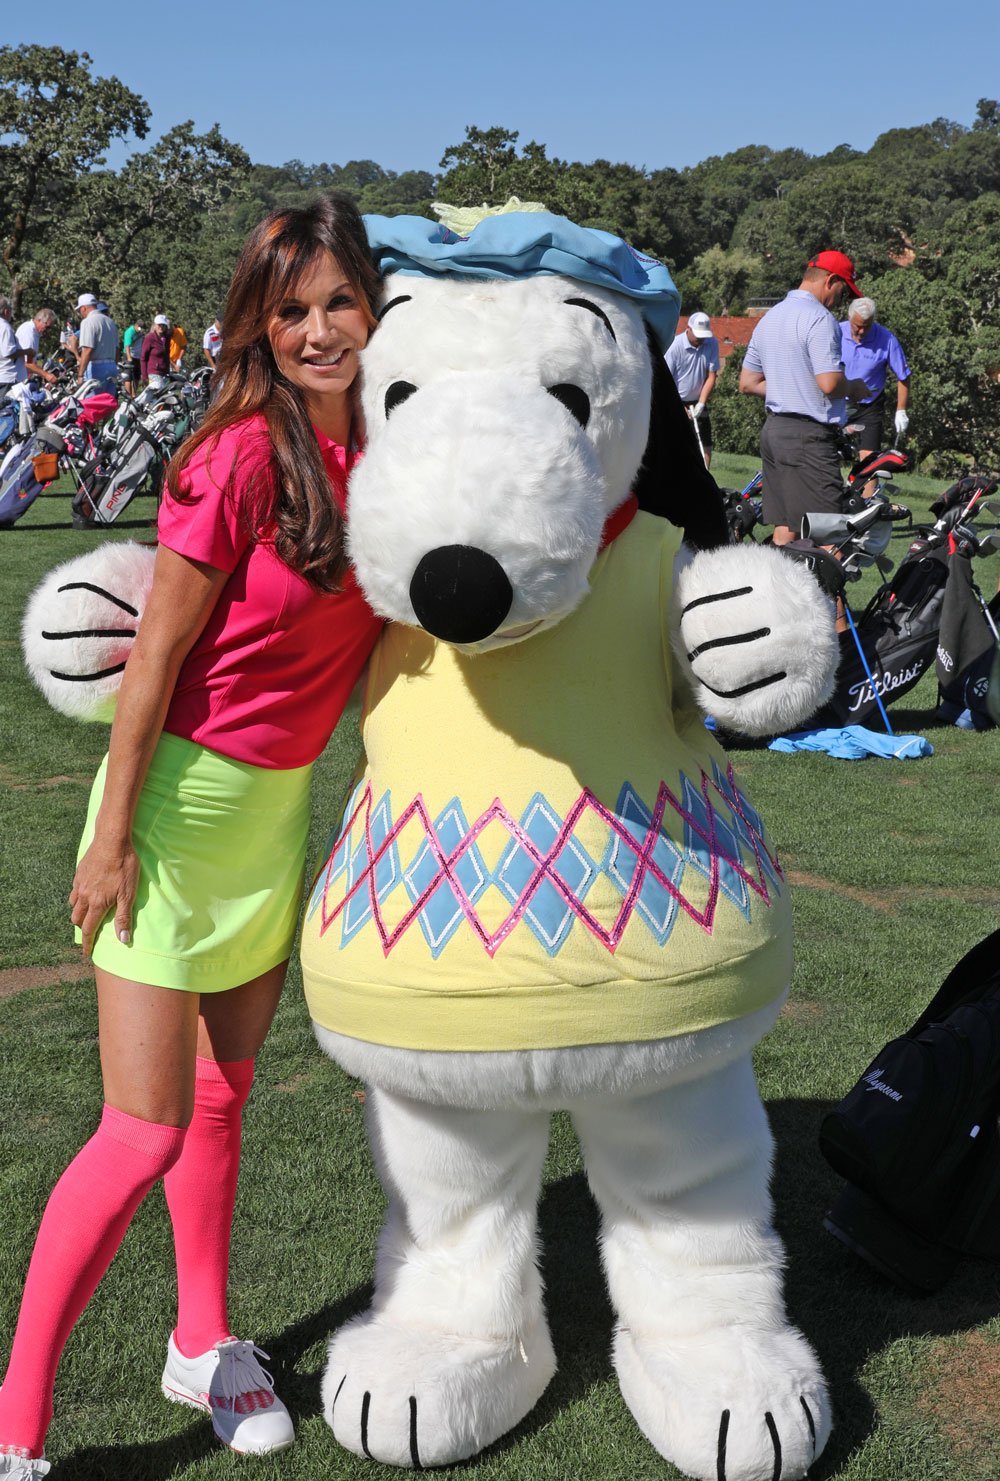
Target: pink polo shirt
267,680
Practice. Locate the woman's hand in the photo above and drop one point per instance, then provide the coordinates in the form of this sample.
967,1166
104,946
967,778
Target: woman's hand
106,879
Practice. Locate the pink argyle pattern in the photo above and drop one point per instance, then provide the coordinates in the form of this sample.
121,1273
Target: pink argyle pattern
716,848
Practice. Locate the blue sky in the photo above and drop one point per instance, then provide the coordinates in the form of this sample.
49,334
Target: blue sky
654,85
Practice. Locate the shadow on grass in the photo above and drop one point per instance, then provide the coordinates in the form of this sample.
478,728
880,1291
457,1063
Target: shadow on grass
845,1308
153,1460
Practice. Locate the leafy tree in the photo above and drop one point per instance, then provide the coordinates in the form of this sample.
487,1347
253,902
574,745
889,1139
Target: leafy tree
486,167
854,207
720,281
987,116
736,419
56,121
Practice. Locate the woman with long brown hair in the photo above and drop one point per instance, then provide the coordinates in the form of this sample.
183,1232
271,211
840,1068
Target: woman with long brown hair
190,872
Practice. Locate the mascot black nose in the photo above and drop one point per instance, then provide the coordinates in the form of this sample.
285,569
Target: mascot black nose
460,594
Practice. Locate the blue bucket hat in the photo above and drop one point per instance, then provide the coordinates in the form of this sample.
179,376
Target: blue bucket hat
527,244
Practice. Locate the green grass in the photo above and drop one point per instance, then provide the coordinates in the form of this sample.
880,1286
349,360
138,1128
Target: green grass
894,868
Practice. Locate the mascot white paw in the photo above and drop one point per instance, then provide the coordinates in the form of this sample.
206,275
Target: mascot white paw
756,637
80,624
548,890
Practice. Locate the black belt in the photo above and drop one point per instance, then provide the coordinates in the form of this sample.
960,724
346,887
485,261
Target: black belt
800,416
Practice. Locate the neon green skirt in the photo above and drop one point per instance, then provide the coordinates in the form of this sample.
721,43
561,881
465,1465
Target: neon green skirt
221,848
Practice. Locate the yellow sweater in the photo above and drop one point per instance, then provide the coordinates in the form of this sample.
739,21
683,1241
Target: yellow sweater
546,847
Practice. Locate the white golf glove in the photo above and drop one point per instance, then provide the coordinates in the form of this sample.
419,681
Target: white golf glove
697,409
902,422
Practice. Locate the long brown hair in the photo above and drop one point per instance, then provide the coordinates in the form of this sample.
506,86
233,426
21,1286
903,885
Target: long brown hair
293,501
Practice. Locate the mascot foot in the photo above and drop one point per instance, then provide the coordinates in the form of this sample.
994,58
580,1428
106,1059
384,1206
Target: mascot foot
732,1405
422,1399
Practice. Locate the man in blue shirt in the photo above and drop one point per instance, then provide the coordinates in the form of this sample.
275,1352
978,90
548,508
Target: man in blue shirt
693,361
868,351
794,362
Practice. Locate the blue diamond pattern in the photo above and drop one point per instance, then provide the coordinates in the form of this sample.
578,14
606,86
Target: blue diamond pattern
547,914
442,913
731,882
656,905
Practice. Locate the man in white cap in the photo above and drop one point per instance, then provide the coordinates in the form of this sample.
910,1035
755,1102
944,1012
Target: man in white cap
693,361
98,341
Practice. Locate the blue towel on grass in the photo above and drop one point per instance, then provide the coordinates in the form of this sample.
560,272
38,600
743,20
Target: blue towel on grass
854,743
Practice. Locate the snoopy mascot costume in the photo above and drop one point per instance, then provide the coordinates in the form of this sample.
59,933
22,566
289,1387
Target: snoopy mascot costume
547,890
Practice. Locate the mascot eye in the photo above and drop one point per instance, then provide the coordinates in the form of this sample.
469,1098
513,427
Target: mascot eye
576,401
396,395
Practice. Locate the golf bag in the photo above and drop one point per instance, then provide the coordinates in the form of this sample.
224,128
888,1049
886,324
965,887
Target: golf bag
144,439
135,462
9,417
898,631
743,511
27,469
918,1137
968,652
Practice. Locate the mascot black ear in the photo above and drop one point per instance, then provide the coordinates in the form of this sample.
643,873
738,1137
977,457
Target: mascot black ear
673,481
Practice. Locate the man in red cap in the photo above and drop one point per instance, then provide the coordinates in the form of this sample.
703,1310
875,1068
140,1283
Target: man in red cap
794,362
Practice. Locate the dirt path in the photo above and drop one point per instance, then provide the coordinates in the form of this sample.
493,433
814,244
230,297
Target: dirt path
22,979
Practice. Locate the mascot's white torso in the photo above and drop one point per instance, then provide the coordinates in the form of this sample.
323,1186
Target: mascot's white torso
547,890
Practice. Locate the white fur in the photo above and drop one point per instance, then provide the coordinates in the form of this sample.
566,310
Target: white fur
484,445
748,589
124,570
455,1350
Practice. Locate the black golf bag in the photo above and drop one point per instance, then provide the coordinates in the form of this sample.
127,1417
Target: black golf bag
968,652
918,1137
929,611
898,631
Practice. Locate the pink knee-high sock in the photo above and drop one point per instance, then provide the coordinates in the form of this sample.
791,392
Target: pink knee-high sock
201,1196
84,1222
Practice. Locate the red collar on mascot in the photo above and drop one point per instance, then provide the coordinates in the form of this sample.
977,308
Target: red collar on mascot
617,521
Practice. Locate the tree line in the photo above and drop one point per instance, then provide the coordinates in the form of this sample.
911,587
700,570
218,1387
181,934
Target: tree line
918,212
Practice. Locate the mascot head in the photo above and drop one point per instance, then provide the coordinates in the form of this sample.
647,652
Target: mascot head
516,402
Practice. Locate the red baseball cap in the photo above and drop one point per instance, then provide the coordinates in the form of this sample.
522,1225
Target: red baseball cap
841,266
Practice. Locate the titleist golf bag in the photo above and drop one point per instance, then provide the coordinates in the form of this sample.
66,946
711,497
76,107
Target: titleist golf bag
929,611
918,1137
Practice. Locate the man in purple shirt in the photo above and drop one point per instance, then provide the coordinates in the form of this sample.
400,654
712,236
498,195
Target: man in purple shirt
869,350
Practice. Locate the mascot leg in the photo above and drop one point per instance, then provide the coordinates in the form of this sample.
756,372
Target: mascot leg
454,1350
715,1376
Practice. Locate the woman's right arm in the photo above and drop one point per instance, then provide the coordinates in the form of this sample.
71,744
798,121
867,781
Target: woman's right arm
183,594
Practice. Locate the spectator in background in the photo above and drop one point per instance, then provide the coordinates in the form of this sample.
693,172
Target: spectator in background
178,344
693,361
212,342
69,340
155,359
98,339
29,335
868,351
793,361
132,346
11,352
